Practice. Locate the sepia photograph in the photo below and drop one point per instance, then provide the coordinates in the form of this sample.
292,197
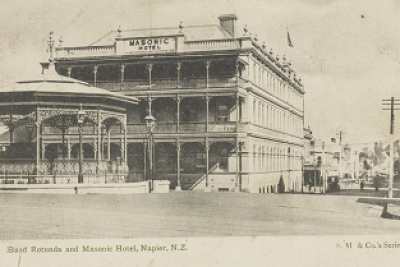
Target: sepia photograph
199,133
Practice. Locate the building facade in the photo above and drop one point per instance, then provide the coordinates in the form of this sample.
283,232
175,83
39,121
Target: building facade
229,114
318,163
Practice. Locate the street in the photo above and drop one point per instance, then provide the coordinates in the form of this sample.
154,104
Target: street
187,214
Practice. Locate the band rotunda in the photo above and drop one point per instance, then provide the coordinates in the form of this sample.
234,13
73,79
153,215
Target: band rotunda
216,110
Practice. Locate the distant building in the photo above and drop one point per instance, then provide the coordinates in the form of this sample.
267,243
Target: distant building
321,160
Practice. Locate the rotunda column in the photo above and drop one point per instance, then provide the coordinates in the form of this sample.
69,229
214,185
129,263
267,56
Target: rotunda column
178,101
178,68
69,71
95,75
98,140
207,111
122,68
208,62
149,68
178,166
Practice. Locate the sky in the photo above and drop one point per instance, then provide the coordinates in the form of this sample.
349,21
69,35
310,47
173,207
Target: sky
346,52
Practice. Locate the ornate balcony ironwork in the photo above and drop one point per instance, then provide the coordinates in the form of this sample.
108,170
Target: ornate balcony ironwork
168,83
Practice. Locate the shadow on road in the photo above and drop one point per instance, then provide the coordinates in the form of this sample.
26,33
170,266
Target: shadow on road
365,193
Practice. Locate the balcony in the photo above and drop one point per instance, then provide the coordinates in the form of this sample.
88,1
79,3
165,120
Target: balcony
167,83
263,131
111,50
85,51
211,45
222,128
86,129
185,127
54,130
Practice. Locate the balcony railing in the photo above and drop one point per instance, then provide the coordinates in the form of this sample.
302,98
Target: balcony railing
136,83
251,128
87,129
185,127
211,45
105,178
136,128
141,84
193,82
166,128
52,129
111,50
226,127
85,51
192,127
223,82
164,83
107,84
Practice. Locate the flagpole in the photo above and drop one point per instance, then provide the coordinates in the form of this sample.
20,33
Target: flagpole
289,40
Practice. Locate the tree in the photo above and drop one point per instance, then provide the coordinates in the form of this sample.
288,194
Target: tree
378,156
281,185
366,165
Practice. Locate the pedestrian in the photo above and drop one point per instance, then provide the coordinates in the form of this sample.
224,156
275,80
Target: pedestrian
376,183
362,185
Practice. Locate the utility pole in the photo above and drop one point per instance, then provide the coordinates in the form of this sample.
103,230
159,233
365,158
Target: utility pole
323,170
356,165
392,104
390,190
340,153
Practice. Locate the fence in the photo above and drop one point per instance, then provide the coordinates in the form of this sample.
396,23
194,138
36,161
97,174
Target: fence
63,179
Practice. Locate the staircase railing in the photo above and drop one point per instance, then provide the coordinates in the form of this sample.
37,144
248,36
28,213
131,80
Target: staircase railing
193,186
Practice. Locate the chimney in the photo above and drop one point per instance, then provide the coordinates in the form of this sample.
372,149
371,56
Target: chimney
228,23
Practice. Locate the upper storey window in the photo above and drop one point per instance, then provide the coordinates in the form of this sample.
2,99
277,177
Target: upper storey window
222,69
222,113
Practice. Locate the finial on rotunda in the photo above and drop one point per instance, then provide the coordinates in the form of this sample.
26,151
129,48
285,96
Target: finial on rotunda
50,43
271,52
61,40
181,27
119,31
255,38
245,30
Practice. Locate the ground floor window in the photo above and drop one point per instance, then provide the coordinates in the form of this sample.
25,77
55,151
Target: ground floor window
223,154
201,159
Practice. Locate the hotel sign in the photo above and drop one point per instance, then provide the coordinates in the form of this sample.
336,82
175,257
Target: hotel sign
157,44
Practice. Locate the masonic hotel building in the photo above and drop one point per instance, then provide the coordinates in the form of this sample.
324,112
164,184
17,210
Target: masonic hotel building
228,113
